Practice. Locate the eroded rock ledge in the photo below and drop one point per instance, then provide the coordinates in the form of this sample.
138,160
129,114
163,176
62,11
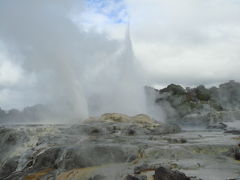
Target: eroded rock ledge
54,149
115,147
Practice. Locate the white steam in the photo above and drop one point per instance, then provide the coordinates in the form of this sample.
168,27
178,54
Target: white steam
78,73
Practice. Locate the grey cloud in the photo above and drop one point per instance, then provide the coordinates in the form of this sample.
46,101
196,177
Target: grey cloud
191,42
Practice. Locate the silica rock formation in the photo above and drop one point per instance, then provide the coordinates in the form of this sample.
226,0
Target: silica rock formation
198,106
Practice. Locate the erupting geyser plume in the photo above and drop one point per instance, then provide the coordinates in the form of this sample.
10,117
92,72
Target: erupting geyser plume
121,89
78,73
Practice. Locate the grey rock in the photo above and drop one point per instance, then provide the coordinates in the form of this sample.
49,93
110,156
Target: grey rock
198,106
15,176
237,156
180,140
236,151
236,132
135,177
165,129
141,168
87,155
97,177
166,174
113,152
146,167
47,159
9,139
9,167
217,126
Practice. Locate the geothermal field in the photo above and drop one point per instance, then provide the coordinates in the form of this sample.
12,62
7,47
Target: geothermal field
119,90
198,140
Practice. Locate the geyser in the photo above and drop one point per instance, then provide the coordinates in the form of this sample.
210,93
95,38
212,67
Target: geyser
78,73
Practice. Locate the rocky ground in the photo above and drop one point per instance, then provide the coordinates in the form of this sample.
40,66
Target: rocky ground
201,140
198,106
118,147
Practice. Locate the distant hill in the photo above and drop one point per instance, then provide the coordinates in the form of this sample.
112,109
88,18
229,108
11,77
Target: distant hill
200,105
32,114
186,106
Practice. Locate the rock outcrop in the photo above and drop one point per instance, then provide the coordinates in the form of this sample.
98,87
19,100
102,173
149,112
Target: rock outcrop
114,146
166,174
198,106
58,148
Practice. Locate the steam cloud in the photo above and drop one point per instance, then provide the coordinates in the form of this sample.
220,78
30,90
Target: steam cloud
78,73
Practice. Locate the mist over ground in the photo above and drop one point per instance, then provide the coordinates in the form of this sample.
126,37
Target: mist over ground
78,96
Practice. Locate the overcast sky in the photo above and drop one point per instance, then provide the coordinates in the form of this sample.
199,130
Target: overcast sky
186,42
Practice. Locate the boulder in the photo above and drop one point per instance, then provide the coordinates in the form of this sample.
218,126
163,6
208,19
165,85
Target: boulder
166,174
237,153
47,158
135,177
9,167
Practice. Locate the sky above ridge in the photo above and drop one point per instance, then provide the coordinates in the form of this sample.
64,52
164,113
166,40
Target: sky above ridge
187,42
184,42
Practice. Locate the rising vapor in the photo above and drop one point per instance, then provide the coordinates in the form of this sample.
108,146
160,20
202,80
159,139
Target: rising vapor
79,73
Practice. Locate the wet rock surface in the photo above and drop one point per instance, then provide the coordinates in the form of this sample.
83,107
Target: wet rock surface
116,147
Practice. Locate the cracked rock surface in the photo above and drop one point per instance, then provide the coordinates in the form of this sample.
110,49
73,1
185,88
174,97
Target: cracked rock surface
116,147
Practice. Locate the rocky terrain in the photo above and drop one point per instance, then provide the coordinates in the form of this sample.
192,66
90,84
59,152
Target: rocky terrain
116,147
200,106
199,140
